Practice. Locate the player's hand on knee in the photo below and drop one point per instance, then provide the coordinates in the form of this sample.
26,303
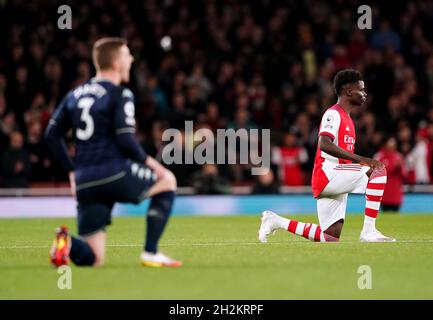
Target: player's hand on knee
170,178
372,163
156,167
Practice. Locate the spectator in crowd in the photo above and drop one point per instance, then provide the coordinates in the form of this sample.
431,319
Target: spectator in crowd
418,161
178,114
154,145
208,181
15,163
7,126
198,79
157,94
213,118
289,157
265,183
39,157
267,64
386,37
176,152
242,120
396,171
3,127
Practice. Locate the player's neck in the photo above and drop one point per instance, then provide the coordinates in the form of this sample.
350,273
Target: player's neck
345,105
109,75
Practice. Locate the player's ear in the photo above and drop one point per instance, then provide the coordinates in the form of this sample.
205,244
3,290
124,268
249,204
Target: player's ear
348,90
115,64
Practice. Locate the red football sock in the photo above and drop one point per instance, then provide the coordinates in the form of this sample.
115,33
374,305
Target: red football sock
310,231
373,196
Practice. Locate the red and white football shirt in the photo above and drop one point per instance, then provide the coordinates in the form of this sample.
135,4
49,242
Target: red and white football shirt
337,124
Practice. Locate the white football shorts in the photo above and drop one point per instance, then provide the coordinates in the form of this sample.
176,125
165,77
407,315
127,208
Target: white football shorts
331,203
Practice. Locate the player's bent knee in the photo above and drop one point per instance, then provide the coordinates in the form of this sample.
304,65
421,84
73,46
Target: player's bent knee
331,233
331,238
169,180
97,244
99,260
379,172
335,230
99,257
382,171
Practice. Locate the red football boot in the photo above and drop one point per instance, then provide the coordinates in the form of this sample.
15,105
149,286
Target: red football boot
59,253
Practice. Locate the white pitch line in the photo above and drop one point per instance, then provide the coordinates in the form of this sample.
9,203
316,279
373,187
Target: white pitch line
162,245
215,244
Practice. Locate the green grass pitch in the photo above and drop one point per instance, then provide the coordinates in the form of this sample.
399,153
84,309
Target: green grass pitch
223,260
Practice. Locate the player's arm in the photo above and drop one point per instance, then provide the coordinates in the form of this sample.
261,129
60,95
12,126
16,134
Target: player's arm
54,135
124,121
326,145
329,129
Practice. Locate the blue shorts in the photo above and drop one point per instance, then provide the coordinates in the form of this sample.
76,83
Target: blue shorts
97,198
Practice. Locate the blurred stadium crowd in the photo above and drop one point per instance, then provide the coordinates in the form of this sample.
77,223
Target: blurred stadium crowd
230,64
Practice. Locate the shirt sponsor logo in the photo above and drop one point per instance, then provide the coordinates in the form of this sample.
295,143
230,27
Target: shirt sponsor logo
349,139
350,142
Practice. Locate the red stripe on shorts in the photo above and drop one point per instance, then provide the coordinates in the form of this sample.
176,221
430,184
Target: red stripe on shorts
349,165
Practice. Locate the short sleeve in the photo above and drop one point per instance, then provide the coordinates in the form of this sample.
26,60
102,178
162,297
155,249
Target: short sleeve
330,124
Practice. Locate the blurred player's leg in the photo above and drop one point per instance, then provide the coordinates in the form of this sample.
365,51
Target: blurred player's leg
272,222
162,195
93,216
157,217
96,243
81,252
70,248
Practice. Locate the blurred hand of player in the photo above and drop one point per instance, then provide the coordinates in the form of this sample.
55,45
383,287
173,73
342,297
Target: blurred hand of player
158,168
72,183
372,163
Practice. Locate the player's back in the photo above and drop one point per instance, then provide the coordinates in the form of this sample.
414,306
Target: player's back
91,111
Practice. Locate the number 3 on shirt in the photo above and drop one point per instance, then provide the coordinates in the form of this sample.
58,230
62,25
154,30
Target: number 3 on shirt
85,104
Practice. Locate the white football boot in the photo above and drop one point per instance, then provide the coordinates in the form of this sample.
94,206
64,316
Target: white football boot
374,236
269,225
159,259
